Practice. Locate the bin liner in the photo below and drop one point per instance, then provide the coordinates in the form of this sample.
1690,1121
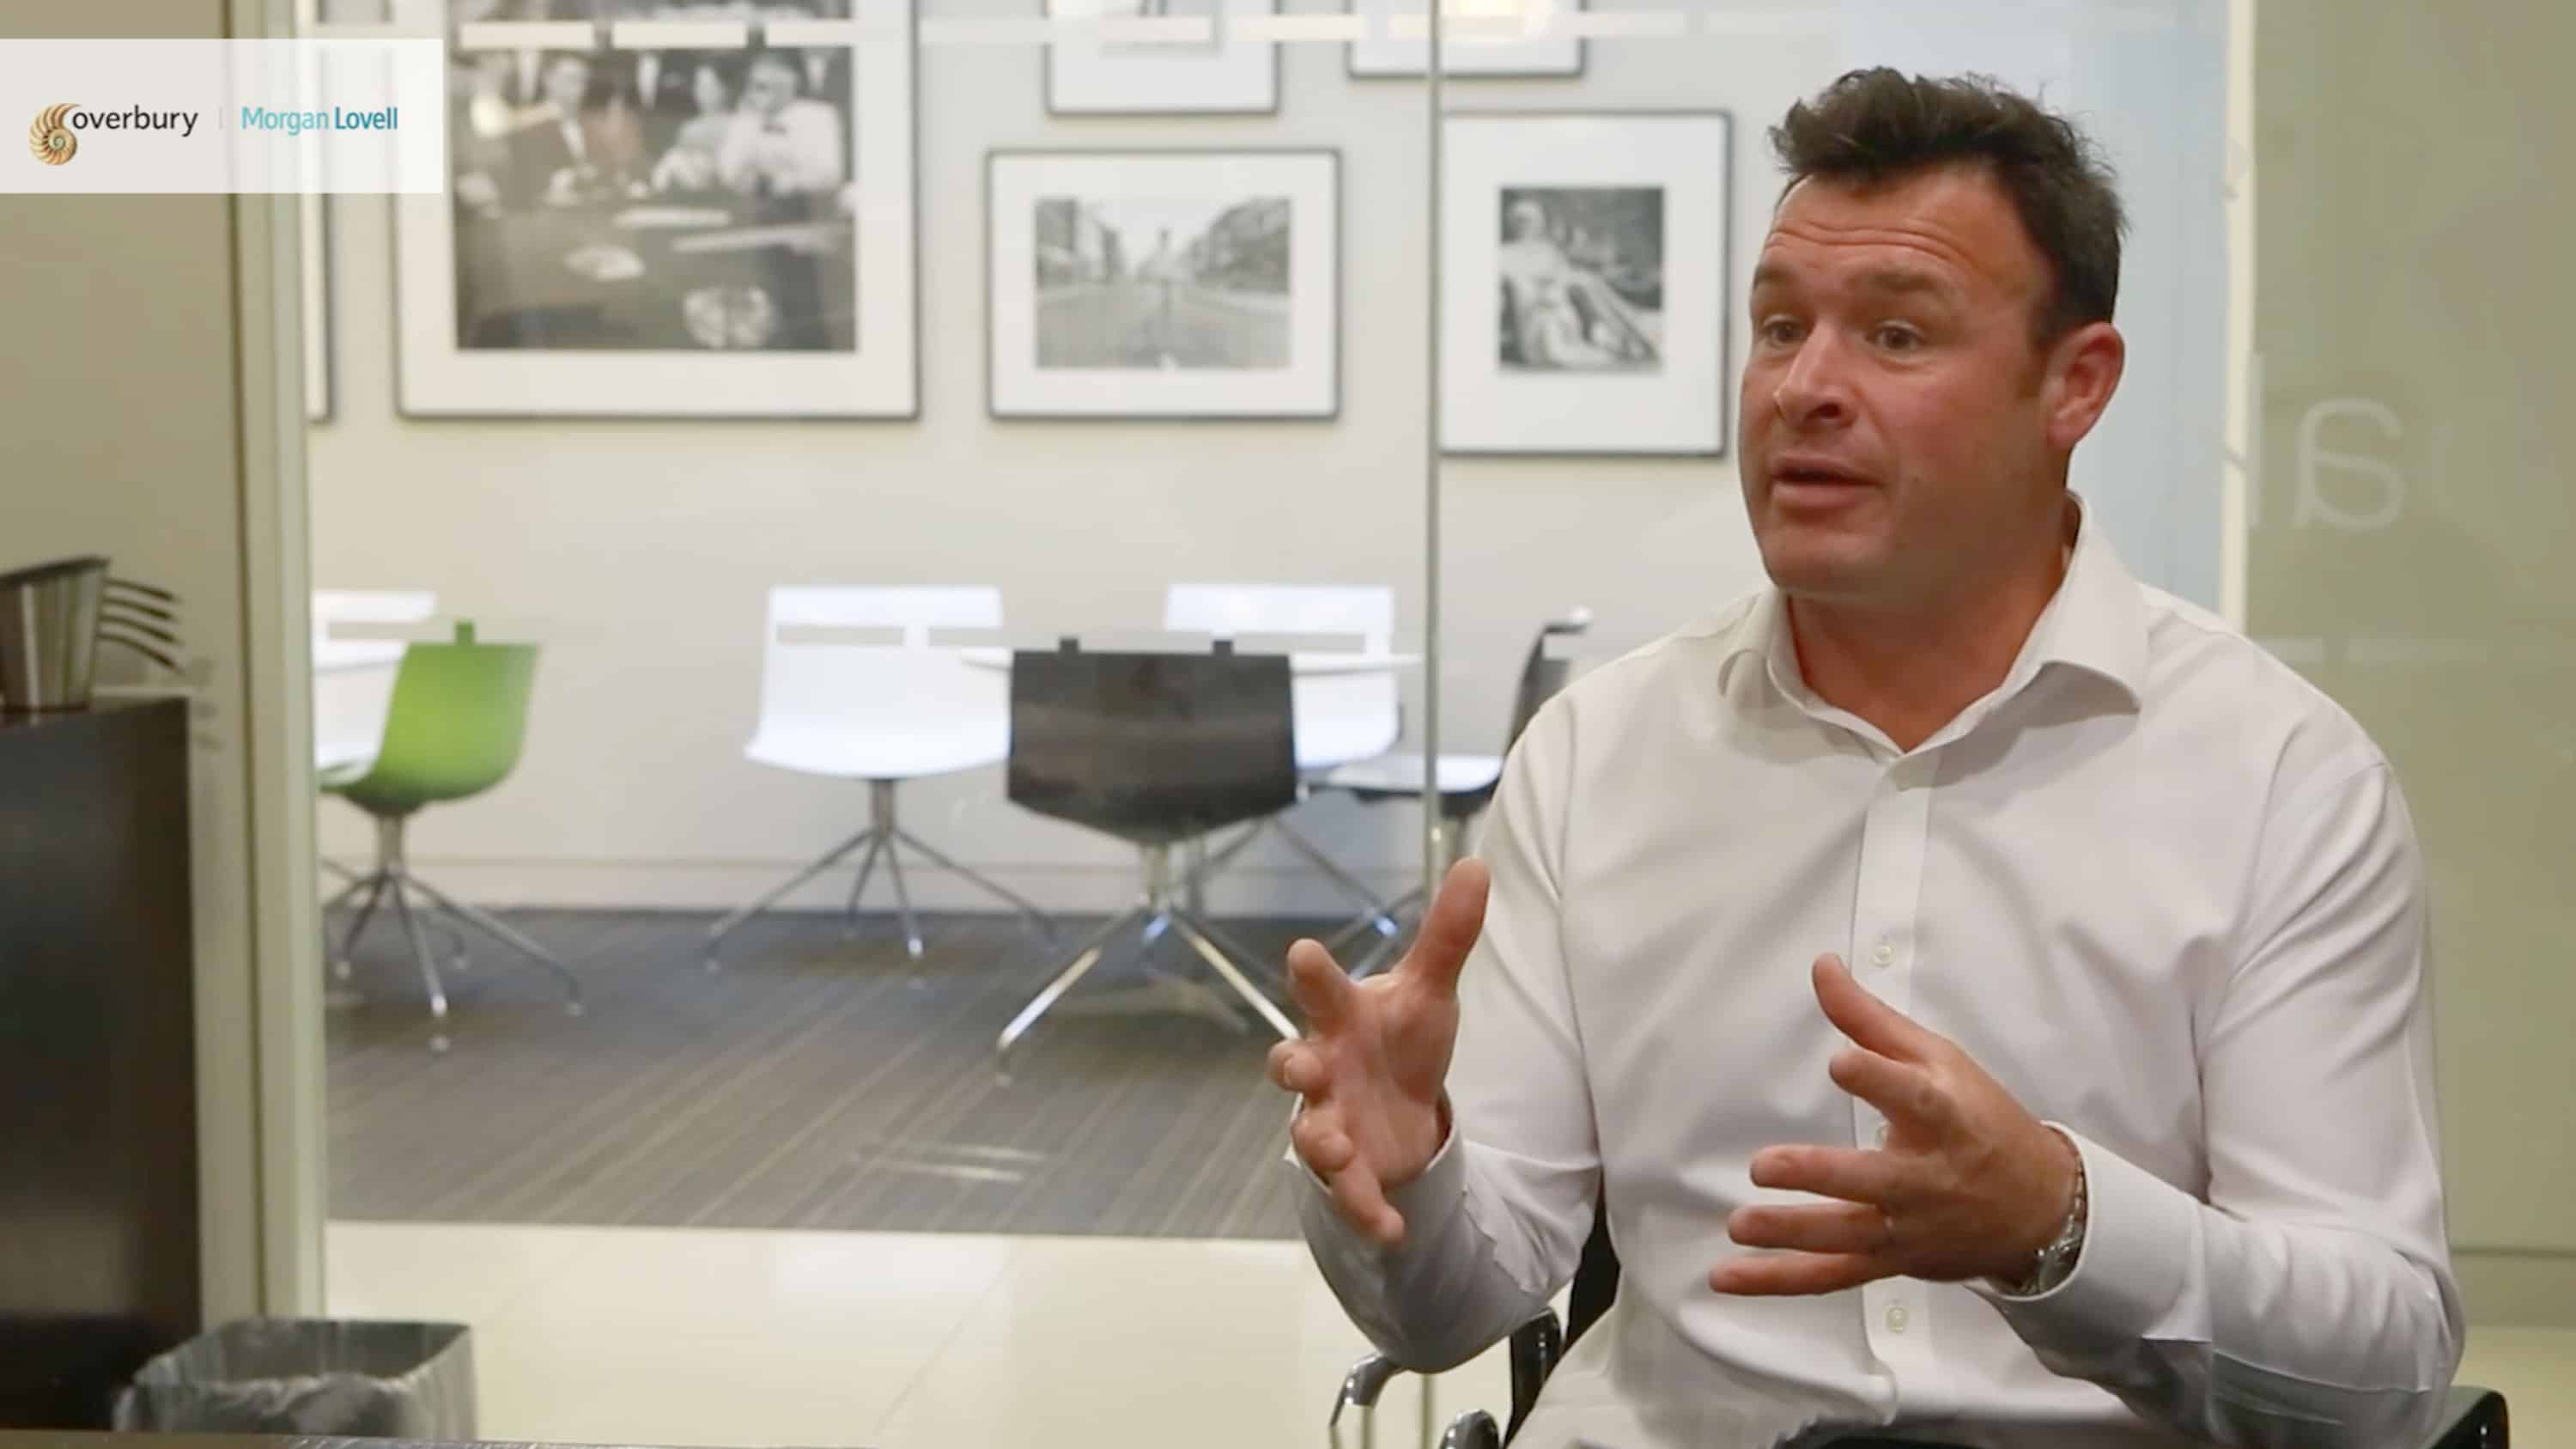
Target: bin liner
309,1376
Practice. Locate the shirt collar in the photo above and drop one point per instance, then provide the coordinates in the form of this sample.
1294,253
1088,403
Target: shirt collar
2096,622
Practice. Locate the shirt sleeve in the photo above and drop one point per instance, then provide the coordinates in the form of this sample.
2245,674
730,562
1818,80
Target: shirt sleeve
1495,1225
818,148
734,153
2309,1300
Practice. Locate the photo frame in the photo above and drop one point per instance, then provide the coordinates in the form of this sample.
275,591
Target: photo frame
707,218
1108,74
1163,284
1584,272
1398,41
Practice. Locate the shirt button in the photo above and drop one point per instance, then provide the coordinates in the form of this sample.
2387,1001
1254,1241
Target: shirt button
1885,955
1896,1317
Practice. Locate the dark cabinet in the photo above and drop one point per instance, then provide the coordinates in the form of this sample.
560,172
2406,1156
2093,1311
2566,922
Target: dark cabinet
98,1122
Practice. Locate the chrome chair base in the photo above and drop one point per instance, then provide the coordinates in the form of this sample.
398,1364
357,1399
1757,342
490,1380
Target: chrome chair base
393,878
1156,912
884,837
1375,914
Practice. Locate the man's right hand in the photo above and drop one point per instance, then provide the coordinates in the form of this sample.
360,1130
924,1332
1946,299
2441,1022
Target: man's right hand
1374,1056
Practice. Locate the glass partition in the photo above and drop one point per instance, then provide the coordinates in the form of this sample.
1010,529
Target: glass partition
865,407
2403,507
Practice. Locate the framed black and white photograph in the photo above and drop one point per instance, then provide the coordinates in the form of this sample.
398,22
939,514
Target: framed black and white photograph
1583,271
1492,38
668,210
1177,284
1167,57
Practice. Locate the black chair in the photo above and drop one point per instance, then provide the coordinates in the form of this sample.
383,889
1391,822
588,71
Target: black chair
1157,750
2474,1418
1466,785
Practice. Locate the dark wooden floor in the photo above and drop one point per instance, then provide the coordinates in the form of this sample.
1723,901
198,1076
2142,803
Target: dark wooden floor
817,1082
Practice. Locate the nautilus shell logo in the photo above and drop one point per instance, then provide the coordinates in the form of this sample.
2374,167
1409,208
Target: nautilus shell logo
51,137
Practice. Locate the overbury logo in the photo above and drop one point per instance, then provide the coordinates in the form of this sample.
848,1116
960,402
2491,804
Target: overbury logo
51,138
55,137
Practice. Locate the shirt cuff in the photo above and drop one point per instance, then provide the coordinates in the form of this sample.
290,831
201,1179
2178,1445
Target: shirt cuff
2138,1241
1425,1203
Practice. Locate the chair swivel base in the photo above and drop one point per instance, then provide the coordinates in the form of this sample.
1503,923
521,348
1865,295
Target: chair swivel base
1154,914
393,878
884,838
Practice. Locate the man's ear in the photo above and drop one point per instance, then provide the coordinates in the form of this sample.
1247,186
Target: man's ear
2084,368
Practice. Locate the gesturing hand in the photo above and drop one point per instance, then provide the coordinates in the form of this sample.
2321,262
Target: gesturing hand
1966,1184
1374,1056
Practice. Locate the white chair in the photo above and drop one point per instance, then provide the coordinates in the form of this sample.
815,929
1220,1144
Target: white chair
1338,718
353,679
880,713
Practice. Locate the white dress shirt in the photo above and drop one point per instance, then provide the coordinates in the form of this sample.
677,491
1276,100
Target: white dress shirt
2160,887
796,152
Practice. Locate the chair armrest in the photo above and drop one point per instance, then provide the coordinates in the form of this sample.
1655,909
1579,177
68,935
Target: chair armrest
1536,1347
2473,1418
1360,1390
1472,1431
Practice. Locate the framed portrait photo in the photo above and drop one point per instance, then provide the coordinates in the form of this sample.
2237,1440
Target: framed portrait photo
1492,38
669,214
1170,284
1583,274
1163,57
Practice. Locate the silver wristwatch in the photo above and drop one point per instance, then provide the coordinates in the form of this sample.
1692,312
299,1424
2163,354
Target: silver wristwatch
2058,1259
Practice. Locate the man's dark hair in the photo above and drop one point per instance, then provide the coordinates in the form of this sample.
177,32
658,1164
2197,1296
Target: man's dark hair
1874,126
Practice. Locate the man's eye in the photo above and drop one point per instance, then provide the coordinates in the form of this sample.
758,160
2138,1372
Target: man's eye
1899,339
1780,330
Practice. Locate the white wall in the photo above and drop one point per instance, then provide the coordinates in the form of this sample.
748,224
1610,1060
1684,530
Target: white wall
640,551
134,408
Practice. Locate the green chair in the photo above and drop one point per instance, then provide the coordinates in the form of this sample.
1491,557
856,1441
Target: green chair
454,729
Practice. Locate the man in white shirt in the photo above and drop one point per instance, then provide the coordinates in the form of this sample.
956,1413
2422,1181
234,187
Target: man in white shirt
2119,1127
780,143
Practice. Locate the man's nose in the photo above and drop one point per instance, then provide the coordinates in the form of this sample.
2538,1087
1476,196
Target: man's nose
1813,390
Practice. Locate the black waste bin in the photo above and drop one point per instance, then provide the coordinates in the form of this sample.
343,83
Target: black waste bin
310,1376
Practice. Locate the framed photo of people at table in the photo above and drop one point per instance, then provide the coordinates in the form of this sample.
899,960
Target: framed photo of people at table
669,215
1584,265
1173,284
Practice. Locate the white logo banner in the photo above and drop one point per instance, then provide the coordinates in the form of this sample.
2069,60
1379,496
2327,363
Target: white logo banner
306,116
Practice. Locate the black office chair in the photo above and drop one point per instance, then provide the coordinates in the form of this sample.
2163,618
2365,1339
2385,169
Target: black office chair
1156,749
2474,1418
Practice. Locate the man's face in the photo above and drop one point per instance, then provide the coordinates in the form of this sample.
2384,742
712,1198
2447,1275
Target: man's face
1895,422
1529,221
567,76
769,88
707,88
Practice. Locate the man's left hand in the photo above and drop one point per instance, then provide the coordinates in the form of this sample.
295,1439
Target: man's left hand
1965,1184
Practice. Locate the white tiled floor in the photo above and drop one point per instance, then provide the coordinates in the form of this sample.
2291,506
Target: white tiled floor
658,1336
654,1336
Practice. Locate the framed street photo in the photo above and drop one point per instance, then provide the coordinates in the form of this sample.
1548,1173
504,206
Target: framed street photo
1477,38
1583,277
1171,284
669,210
1163,57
